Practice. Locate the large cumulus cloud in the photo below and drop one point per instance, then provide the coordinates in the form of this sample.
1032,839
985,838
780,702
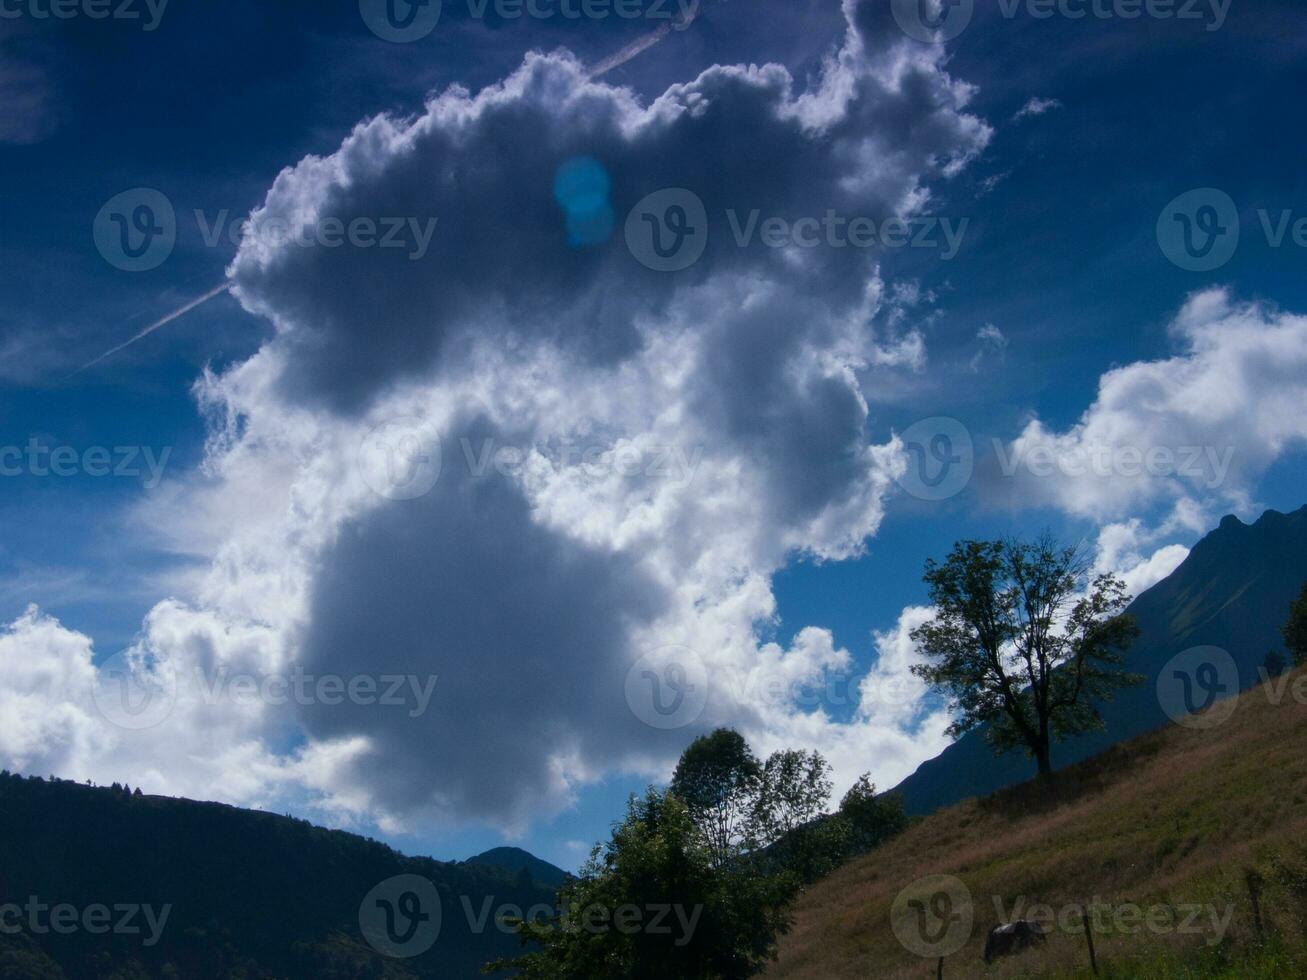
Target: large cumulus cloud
880,121
676,437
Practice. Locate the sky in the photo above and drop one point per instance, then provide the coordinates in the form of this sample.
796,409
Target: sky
567,385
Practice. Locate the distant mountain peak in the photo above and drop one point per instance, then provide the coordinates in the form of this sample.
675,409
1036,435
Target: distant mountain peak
515,859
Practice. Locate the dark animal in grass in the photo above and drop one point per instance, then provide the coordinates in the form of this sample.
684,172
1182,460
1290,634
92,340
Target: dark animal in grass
1012,937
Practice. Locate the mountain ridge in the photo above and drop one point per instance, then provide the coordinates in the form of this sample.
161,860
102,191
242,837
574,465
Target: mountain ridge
517,860
239,893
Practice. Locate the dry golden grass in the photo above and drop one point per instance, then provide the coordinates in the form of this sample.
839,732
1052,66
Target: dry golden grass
1174,817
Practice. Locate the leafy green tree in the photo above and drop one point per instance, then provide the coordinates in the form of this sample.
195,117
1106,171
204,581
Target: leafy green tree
871,820
719,779
1295,629
723,923
1024,641
793,791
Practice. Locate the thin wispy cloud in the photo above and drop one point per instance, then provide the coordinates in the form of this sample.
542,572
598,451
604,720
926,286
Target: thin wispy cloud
644,42
1036,107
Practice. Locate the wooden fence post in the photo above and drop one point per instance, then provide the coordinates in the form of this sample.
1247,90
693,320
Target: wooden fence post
1089,935
1254,882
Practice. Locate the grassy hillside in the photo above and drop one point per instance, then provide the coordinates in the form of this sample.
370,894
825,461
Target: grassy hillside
1176,818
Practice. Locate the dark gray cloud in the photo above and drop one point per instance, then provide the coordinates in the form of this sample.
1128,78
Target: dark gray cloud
860,140
526,630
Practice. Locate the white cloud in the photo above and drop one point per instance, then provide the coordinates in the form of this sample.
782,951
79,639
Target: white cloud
992,343
1196,428
1036,107
1120,550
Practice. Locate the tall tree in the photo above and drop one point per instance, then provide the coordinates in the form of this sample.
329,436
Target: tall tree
1295,629
711,923
1025,641
719,779
872,819
793,791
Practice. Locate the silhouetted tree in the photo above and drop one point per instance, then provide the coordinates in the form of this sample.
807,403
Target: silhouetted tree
1024,641
1295,628
719,779
794,789
871,819
723,924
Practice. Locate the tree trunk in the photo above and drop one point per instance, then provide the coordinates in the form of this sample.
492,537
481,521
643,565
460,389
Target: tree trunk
1044,761
1043,753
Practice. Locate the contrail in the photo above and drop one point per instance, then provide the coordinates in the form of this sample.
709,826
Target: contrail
644,43
163,322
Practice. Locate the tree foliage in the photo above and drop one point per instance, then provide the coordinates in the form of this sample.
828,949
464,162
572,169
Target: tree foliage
794,787
1295,628
729,845
871,819
789,814
719,780
652,903
1024,641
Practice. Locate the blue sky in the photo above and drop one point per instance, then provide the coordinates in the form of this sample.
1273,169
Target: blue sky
1059,279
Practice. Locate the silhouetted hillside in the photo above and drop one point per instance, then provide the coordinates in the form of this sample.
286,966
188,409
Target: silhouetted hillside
515,859
227,892
1233,591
